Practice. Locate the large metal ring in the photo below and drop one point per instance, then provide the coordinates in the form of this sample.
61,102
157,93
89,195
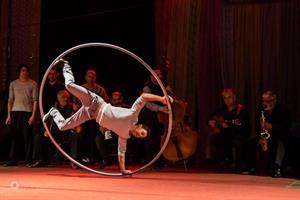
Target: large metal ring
105,45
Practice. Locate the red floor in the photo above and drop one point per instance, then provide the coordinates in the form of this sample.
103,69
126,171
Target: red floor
65,183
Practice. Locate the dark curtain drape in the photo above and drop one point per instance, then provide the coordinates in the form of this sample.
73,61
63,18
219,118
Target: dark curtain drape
19,43
212,45
19,38
4,38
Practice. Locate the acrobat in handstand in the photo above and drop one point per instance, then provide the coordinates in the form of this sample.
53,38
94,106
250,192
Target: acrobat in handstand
122,121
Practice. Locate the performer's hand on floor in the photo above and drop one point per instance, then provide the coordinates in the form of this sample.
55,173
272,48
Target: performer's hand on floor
127,172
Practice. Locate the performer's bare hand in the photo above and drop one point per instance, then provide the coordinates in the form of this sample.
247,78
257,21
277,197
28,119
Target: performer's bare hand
126,172
165,101
8,120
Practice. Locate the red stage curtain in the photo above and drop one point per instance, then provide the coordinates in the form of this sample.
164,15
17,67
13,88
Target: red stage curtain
211,45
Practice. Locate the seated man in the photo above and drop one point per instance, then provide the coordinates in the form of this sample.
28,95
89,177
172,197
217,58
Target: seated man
277,123
122,121
42,148
230,132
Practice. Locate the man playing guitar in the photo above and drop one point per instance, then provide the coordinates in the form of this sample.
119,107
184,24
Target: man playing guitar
230,130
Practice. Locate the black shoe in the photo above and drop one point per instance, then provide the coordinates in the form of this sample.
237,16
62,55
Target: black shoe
73,165
38,164
86,160
250,171
28,164
60,63
277,173
103,164
158,166
10,164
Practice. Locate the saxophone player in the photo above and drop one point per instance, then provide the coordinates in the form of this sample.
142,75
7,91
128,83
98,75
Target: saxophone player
272,127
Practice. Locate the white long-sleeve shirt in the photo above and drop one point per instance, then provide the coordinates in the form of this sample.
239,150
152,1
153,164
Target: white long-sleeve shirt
120,120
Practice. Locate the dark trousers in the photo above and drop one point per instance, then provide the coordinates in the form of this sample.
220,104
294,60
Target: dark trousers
228,150
101,146
90,131
44,150
22,136
40,143
152,141
75,145
107,148
268,161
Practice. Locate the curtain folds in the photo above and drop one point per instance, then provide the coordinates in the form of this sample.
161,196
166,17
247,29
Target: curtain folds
248,47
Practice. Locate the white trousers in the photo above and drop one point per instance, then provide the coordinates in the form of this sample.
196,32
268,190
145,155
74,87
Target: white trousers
89,100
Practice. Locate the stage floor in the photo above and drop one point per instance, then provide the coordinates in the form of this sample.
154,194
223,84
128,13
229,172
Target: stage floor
65,183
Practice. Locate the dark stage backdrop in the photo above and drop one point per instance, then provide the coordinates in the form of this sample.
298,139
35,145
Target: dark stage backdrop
129,24
212,44
36,32
19,43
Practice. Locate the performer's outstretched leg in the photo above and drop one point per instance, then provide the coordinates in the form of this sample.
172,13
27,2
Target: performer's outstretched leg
83,94
76,119
89,101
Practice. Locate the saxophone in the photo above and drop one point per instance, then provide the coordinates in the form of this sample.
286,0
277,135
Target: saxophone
264,134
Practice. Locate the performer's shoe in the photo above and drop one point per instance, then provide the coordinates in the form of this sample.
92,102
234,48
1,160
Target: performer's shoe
48,114
60,63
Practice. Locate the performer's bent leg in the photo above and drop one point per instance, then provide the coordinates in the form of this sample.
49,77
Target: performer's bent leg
83,94
76,119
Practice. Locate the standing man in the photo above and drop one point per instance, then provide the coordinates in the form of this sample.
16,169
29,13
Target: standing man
52,87
22,110
91,85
